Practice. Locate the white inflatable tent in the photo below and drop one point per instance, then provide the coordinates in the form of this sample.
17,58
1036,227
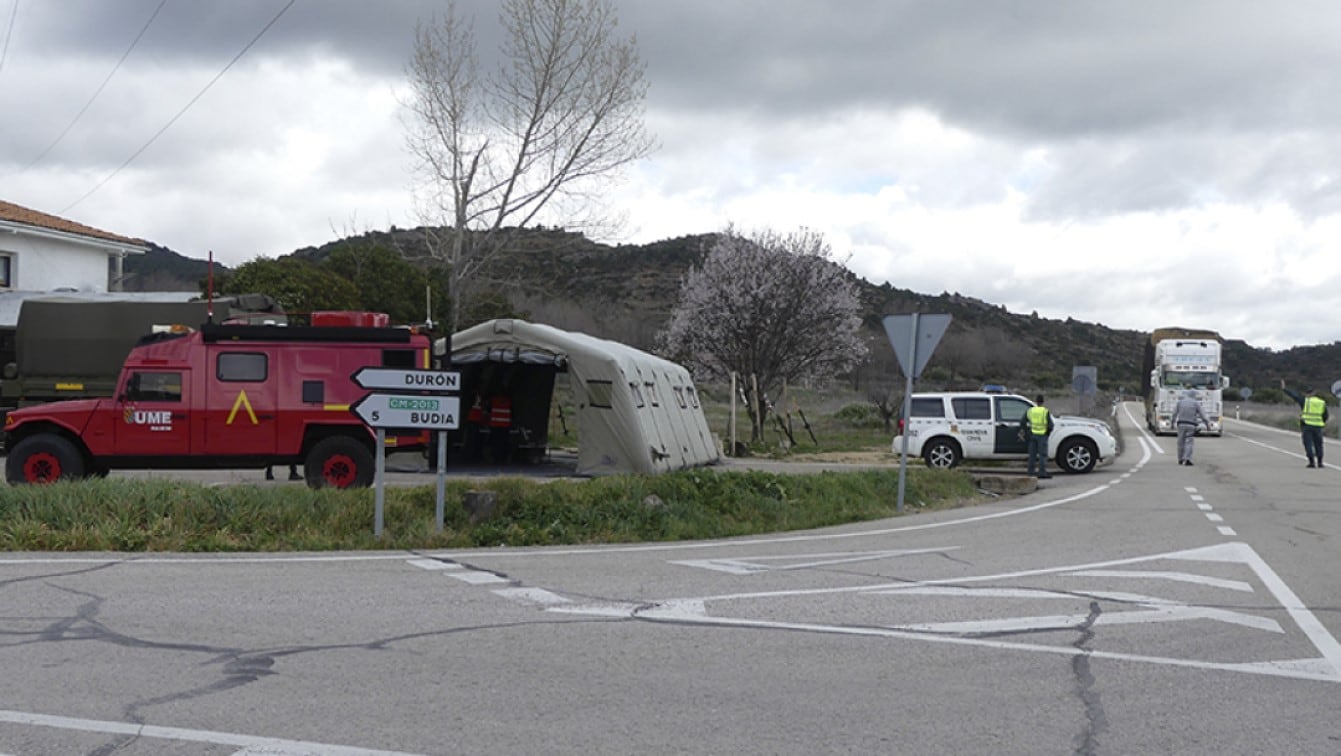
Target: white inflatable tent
636,412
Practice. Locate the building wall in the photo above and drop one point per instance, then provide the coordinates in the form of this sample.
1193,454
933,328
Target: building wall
36,263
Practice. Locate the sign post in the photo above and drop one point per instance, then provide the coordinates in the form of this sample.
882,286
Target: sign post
420,402
906,334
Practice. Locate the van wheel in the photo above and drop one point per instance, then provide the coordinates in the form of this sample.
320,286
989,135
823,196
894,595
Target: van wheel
44,458
941,453
1077,455
339,462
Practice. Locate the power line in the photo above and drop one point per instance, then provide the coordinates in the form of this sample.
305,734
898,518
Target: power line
9,32
102,86
181,112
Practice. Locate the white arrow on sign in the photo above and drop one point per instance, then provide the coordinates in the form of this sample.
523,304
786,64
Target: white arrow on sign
402,411
394,379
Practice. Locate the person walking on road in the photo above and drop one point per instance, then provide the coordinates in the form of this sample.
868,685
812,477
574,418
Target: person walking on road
1036,425
1187,418
1312,417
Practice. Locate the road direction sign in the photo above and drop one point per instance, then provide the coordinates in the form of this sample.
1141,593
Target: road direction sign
396,379
407,411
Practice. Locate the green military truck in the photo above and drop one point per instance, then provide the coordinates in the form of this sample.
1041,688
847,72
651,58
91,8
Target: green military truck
67,347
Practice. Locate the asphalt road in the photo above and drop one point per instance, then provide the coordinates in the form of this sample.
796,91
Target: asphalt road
1145,608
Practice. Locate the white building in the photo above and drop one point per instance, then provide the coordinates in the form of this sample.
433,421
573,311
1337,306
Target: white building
41,252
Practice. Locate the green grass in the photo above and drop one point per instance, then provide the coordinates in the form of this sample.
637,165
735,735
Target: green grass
161,515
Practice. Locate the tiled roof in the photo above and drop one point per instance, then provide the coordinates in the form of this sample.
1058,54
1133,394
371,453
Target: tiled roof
15,214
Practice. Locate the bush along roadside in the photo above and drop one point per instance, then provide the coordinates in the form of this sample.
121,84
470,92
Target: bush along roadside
161,515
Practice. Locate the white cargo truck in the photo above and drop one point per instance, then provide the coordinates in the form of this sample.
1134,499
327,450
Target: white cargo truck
1178,360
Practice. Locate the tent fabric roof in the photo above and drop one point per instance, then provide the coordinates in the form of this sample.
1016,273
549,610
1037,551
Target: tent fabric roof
636,412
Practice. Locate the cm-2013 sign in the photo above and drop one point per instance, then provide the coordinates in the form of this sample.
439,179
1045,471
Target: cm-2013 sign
401,411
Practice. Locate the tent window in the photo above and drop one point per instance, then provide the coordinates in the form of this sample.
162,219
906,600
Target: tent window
679,396
601,393
652,394
693,397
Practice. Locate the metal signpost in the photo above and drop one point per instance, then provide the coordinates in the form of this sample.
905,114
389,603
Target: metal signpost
420,404
1085,382
914,337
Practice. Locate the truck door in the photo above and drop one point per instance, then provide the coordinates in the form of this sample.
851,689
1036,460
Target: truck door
240,402
1009,411
154,419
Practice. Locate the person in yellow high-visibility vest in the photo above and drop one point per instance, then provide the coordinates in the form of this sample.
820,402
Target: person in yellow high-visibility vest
1312,418
1037,425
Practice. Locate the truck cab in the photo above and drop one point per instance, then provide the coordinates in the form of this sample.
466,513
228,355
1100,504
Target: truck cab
223,396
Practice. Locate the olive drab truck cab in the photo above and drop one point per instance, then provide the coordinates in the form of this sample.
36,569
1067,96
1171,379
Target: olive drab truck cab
1178,360
224,396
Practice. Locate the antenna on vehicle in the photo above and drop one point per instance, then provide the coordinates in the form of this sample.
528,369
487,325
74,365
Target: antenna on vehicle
209,291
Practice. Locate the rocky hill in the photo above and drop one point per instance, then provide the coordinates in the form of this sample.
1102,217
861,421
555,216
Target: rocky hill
626,293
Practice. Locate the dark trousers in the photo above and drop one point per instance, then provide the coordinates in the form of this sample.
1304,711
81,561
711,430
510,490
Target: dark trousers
1038,454
1312,442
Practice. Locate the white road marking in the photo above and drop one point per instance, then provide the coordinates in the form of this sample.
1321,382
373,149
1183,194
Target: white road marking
1279,450
1226,530
1205,507
751,566
1140,428
1326,668
193,736
434,564
1213,517
1183,577
531,595
477,577
1302,669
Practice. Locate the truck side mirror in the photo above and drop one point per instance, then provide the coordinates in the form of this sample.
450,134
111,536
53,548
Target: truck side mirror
1224,381
1154,379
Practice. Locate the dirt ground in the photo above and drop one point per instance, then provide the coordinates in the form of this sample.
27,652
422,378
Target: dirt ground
863,457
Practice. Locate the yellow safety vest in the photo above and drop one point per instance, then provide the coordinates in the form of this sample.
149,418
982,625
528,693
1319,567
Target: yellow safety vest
1038,420
1313,408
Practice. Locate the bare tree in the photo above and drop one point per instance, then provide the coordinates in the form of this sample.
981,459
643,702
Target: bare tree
564,110
962,353
773,309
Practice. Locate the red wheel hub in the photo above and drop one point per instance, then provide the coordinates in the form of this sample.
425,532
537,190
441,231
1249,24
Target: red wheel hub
339,470
42,467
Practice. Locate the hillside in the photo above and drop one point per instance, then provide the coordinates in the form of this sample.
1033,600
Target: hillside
626,293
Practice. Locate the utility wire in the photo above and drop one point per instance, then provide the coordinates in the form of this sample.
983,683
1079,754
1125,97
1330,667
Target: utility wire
9,32
181,112
102,86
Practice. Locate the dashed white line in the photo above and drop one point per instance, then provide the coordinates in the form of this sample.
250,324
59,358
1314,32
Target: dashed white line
532,595
477,577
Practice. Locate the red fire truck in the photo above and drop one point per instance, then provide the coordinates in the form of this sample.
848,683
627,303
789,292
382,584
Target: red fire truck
224,396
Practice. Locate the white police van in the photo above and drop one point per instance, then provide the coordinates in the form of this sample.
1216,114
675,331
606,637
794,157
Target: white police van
948,427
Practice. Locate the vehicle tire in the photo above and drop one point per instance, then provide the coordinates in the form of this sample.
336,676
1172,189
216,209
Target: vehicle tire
44,458
1077,455
942,453
339,462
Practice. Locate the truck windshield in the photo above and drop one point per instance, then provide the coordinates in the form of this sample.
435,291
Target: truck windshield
1180,379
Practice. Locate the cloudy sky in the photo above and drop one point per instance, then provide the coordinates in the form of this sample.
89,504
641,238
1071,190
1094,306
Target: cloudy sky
1136,164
